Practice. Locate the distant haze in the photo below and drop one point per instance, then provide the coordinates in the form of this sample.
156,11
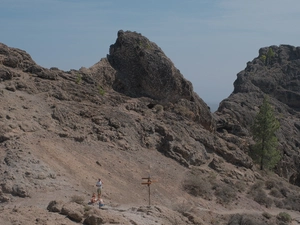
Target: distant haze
213,106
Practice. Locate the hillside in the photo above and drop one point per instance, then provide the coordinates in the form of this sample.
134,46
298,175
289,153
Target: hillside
134,115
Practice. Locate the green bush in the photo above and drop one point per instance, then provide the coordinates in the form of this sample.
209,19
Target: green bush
285,217
101,90
78,78
263,58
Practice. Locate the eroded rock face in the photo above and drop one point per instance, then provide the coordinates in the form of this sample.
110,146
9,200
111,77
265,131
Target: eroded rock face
14,57
143,70
275,72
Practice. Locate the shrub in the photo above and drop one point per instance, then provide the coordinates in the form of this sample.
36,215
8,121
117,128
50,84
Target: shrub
240,186
284,191
183,207
285,217
261,197
78,78
101,90
184,111
225,193
263,58
199,188
278,203
270,184
292,202
275,193
257,185
198,185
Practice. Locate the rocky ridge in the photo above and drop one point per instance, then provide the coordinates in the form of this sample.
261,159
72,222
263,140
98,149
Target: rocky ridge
134,113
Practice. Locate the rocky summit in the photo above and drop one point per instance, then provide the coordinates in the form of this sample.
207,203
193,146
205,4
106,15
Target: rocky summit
134,121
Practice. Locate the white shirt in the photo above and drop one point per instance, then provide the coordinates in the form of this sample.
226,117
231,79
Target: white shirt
99,184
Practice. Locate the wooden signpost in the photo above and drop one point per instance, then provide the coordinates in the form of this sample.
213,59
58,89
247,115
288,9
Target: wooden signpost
148,182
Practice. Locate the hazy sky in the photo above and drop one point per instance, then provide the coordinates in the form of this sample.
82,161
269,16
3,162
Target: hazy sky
209,41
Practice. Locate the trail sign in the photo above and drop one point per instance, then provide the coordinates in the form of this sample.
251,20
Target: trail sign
148,182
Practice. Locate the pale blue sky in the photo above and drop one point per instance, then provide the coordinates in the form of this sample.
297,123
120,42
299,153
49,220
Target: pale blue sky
209,41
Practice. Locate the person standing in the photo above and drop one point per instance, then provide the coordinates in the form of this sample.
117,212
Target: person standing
99,188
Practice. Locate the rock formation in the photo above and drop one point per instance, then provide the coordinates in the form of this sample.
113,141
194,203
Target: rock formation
275,72
134,111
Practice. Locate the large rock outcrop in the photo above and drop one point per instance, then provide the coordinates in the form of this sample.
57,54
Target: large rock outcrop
143,70
275,72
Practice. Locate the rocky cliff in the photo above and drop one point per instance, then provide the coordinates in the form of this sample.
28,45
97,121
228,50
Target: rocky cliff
274,72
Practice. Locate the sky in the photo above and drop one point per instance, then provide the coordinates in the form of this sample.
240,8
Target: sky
209,41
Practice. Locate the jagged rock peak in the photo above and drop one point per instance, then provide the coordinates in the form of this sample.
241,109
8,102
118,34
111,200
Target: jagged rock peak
274,72
144,69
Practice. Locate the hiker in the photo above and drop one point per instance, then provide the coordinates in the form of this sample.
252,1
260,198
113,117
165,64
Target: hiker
93,199
99,188
101,203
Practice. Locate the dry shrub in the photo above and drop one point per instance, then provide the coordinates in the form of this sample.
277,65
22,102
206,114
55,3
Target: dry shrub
240,186
260,196
270,184
278,203
284,191
183,207
242,219
199,187
275,193
197,184
292,202
184,111
225,194
257,185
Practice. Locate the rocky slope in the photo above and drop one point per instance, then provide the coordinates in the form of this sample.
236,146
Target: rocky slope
133,115
275,72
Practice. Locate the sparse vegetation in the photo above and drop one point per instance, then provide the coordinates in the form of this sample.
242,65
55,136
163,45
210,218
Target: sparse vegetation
183,207
198,185
101,90
259,195
275,193
240,186
285,217
266,59
184,111
78,78
263,58
225,194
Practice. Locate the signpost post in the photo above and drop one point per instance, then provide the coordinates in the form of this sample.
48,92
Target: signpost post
148,182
